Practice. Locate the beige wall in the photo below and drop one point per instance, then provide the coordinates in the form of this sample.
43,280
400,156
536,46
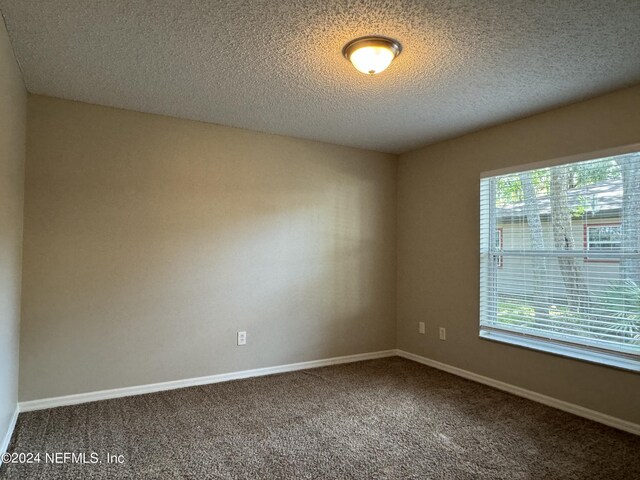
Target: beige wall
13,101
438,253
149,241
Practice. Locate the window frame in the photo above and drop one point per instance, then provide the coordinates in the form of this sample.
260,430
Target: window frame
563,348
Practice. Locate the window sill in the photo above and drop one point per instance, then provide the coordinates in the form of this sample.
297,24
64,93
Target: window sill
611,360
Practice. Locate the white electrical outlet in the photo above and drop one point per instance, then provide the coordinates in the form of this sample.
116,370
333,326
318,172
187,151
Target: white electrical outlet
443,333
242,338
421,328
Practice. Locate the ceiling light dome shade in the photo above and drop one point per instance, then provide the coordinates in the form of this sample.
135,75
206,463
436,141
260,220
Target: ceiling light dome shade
371,55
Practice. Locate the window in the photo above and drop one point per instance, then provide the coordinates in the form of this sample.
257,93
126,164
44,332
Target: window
602,238
499,245
538,226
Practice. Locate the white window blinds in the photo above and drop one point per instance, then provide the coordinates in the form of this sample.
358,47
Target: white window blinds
560,259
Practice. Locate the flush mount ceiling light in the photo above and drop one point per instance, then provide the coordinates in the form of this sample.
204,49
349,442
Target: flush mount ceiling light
371,55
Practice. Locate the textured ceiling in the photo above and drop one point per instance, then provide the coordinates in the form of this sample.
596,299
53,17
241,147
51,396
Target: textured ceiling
276,66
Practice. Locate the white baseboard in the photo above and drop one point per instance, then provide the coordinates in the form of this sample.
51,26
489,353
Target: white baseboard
521,392
190,382
224,377
7,437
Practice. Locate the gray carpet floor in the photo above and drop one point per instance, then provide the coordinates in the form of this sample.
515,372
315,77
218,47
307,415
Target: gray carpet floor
388,418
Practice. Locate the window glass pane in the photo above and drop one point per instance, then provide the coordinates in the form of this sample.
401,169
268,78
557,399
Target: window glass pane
562,258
